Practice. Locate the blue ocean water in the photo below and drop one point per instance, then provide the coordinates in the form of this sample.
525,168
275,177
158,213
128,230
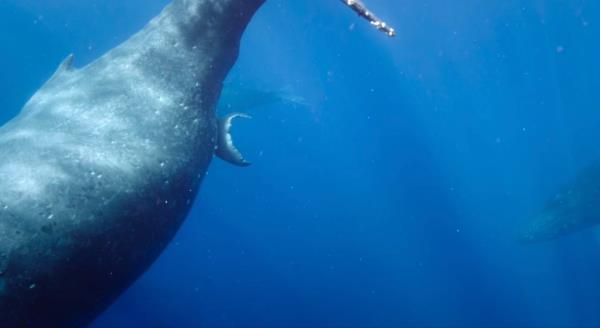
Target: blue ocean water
390,183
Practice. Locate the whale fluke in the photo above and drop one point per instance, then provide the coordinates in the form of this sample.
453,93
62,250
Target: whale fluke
226,149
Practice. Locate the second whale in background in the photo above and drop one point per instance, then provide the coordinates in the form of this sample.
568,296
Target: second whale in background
574,208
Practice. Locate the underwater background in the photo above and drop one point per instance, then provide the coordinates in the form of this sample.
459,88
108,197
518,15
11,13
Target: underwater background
391,176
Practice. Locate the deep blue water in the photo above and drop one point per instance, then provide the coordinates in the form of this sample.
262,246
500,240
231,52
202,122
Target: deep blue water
391,194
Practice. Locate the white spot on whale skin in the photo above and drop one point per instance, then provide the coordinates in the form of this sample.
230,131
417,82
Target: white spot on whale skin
28,178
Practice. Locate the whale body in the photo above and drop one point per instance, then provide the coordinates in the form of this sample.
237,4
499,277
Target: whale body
574,208
102,164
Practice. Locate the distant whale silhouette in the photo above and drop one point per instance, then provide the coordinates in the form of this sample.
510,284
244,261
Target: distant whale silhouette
576,207
101,166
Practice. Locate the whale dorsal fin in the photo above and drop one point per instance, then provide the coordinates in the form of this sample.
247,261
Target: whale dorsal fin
65,66
226,149
67,63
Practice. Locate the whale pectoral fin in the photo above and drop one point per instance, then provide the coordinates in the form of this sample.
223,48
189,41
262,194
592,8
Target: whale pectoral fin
359,8
226,149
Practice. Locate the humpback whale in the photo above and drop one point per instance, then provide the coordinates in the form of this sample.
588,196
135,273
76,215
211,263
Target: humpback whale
574,208
102,164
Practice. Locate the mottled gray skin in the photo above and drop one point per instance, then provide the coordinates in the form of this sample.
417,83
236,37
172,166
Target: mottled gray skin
100,168
574,208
